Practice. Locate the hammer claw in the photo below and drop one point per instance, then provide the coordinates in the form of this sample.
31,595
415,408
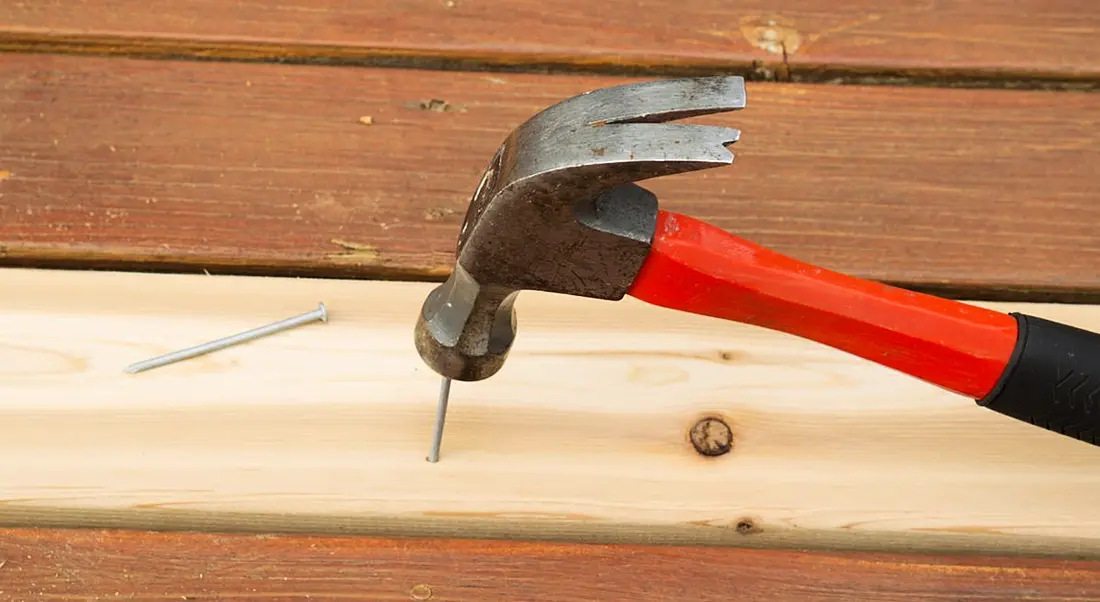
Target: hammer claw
673,142
632,152
647,102
676,99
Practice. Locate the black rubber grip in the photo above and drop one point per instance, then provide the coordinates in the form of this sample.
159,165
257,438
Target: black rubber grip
1052,379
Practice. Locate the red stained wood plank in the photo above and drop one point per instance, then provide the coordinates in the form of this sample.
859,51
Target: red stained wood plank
268,168
994,38
94,565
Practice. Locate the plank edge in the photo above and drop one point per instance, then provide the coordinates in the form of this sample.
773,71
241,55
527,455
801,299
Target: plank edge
759,537
753,66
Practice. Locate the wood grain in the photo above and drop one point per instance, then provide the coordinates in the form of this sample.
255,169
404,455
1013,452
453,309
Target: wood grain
991,39
268,169
95,565
583,436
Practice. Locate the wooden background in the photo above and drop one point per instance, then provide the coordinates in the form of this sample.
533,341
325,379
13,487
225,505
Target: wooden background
940,145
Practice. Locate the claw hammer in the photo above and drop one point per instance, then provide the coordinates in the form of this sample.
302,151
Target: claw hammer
559,210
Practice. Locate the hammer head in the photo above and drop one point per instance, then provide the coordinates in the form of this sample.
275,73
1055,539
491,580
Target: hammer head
557,210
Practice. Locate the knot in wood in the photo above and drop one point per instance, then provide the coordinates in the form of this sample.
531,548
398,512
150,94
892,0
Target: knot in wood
711,437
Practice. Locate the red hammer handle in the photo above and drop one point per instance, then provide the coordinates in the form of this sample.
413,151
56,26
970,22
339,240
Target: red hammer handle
696,267
1024,367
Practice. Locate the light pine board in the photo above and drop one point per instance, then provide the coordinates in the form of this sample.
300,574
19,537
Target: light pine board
582,436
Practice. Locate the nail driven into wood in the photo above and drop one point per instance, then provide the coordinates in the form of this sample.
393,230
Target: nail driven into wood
321,314
440,419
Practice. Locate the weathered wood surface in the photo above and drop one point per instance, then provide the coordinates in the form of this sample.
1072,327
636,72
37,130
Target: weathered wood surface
1014,39
265,168
583,436
45,565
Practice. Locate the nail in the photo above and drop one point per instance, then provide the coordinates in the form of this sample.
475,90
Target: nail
318,314
440,419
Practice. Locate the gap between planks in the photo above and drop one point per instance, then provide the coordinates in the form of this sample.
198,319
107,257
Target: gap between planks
583,436
772,69
1009,43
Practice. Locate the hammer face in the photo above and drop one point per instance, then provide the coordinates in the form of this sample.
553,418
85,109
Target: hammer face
557,210
465,330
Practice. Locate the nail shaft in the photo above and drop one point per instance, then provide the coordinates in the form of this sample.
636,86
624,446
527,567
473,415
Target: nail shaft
440,418
318,314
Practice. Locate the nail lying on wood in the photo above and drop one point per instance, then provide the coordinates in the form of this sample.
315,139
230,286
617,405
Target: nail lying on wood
318,314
